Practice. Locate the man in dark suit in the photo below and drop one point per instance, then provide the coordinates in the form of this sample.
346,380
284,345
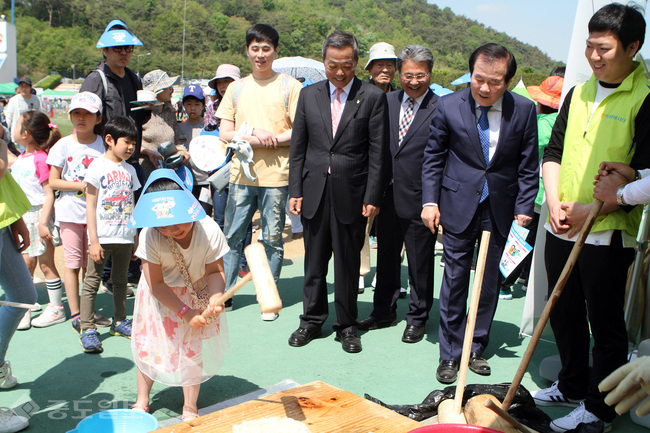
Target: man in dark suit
410,111
336,178
480,171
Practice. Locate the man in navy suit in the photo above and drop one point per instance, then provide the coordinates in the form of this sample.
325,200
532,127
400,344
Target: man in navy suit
336,179
410,111
480,172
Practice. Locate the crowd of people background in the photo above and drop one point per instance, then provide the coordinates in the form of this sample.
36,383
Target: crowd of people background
337,154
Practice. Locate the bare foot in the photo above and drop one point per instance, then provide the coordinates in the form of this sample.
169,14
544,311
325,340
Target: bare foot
140,406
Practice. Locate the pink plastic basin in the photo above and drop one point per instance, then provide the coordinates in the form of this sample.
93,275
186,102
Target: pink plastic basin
453,428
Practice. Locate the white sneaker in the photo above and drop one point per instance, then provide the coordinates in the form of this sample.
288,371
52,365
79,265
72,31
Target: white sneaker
51,316
10,422
578,416
552,396
36,307
7,380
374,282
269,317
25,322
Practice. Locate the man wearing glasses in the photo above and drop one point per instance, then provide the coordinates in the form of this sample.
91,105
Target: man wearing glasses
116,85
410,111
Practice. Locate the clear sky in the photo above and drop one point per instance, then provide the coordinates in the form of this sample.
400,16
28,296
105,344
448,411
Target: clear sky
546,24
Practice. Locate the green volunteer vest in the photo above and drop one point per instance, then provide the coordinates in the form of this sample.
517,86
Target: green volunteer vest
608,136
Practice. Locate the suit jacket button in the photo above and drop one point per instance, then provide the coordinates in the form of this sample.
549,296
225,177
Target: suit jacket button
324,174
397,158
332,153
478,192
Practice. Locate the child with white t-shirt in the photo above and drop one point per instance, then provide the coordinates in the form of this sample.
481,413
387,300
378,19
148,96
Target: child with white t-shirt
37,134
182,261
69,159
110,182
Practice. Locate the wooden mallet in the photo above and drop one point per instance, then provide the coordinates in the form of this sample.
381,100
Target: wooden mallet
476,412
260,273
451,411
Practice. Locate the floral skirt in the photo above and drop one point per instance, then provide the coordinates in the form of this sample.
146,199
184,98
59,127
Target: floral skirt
166,349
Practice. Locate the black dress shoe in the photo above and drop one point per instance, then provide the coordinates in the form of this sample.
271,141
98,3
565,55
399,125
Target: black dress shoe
447,371
302,336
373,323
350,341
413,334
479,365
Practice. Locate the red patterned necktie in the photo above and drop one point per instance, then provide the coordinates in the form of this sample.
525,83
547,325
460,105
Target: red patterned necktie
405,121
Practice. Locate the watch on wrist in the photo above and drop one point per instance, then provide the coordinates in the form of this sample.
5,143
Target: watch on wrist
619,196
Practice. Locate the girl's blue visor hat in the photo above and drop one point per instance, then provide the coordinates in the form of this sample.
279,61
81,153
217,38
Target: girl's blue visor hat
165,208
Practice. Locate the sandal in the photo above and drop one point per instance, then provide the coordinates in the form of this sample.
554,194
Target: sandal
136,406
189,415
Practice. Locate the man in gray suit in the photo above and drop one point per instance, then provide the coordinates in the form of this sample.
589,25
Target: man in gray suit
336,178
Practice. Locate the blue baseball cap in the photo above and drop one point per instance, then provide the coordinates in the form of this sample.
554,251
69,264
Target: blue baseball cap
117,34
165,208
193,90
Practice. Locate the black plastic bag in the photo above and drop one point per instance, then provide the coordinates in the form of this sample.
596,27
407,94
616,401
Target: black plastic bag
522,408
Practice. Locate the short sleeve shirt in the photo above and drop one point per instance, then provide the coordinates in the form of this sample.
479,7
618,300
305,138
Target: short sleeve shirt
208,245
30,171
268,105
74,159
115,183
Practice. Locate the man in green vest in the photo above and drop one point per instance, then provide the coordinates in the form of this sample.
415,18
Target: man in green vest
604,119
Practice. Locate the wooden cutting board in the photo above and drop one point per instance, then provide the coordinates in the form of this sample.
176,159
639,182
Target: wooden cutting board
321,407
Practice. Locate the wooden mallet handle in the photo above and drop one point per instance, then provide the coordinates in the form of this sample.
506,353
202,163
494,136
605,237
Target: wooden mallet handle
506,416
18,304
471,321
230,293
552,300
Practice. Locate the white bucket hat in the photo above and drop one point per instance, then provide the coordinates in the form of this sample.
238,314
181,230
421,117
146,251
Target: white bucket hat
381,50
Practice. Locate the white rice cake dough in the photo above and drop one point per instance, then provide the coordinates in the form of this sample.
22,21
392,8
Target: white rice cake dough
271,425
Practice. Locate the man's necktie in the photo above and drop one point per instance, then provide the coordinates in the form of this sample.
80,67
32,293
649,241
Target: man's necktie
337,109
484,136
406,120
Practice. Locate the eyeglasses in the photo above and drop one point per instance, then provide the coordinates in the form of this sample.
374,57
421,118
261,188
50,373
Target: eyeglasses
419,77
126,49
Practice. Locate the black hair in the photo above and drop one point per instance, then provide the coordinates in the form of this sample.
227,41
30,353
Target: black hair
625,22
558,71
262,33
120,127
493,52
43,132
339,39
163,184
202,101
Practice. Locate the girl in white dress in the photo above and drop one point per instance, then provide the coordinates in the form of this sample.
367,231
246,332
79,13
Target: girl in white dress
183,275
